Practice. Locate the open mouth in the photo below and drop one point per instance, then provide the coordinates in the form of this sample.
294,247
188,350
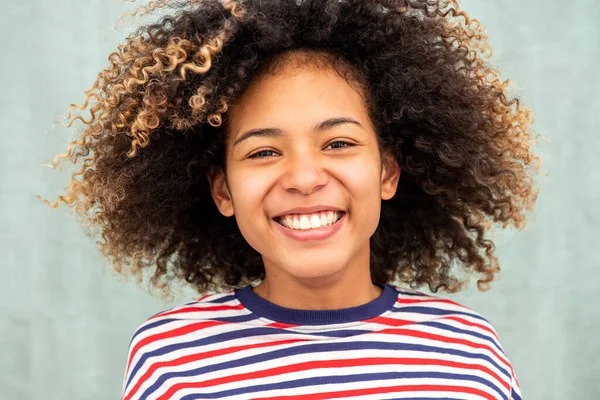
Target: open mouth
317,220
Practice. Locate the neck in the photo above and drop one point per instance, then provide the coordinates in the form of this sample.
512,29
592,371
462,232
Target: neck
332,298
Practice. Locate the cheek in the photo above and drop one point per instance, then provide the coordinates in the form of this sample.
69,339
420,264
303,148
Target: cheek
362,179
249,190
363,184
248,197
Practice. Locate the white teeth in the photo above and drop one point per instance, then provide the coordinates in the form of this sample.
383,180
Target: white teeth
311,221
331,216
304,222
315,221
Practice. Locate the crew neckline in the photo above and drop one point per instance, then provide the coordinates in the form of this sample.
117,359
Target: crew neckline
266,309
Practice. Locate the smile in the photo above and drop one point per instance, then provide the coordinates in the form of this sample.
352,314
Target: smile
318,233
310,221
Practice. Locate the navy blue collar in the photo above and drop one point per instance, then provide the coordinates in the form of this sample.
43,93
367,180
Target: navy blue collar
266,309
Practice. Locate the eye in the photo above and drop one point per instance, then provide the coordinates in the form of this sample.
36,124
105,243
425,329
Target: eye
346,144
259,154
265,153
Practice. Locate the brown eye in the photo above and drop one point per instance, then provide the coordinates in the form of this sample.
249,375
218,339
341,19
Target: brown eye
259,154
348,144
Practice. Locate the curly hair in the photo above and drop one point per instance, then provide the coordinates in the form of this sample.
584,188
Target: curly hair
157,127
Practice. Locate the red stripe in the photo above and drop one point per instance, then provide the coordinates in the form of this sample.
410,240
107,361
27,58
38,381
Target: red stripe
211,294
199,310
444,339
201,325
201,356
400,322
476,324
404,300
313,364
387,390
179,331
167,335
304,366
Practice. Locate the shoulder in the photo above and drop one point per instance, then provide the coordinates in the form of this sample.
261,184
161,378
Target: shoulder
461,333
206,308
445,316
165,331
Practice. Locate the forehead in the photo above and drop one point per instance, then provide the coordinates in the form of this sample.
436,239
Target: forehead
295,97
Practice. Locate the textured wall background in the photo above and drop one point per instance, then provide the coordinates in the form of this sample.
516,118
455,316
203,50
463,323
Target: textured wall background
67,319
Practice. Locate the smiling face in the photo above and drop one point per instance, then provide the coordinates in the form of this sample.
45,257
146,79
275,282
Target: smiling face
302,138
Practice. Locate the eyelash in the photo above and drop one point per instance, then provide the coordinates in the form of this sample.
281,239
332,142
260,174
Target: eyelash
255,155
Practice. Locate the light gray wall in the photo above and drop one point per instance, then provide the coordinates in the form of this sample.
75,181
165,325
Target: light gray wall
67,319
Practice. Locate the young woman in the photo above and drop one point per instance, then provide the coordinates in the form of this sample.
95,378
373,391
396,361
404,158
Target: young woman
340,153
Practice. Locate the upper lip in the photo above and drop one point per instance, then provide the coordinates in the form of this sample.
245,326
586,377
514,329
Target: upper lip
307,210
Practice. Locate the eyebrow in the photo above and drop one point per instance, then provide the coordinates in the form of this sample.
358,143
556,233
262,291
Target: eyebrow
274,132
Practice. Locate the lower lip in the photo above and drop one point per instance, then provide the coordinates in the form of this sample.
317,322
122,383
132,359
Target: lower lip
312,234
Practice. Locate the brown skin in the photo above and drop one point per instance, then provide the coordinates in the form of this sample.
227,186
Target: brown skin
302,168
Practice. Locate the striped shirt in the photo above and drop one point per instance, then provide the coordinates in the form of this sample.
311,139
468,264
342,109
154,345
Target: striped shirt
235,345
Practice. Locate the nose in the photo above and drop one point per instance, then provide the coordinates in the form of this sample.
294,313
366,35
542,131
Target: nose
303,173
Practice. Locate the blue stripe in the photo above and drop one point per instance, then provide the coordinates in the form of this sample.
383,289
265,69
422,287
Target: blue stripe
154,324
413,294
281,353
425,398
443,326
149,325
338,379
435,311
513,395
222,299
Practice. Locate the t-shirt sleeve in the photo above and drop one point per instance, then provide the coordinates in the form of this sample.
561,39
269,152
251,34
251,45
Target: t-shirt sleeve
126,383
135,357
515,389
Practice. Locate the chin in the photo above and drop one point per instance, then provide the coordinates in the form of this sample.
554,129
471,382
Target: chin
317,268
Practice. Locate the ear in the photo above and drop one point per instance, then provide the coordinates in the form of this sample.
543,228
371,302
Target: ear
390,175
220,191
